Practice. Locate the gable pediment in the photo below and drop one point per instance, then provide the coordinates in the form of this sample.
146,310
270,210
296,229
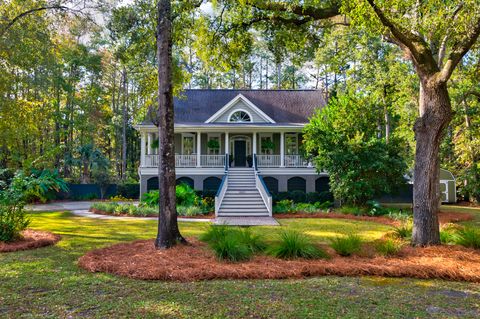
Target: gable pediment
240,105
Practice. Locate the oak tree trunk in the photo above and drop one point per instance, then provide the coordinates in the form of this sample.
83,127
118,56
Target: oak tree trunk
435,114
168,232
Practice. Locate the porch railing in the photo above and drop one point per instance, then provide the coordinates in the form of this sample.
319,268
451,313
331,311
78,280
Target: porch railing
221,160
296,161
268,160
212,160
185,160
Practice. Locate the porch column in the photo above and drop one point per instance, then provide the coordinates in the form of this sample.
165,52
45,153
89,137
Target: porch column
149,143
199,147
142,150
227,145
254,146
282,149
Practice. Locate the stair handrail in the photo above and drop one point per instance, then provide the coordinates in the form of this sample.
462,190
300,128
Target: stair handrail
264,192
221,193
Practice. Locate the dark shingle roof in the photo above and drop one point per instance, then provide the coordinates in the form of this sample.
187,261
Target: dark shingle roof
283,106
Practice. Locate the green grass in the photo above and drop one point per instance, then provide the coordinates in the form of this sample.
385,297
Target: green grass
46,283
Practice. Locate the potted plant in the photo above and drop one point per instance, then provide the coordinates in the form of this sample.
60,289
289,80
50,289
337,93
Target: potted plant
214,145
268,145
155,144
249,160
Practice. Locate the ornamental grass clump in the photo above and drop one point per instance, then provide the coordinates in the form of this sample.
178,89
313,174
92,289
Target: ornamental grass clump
294,244
388,247
403,231
448,234
232,243
231,249
469,237
347,246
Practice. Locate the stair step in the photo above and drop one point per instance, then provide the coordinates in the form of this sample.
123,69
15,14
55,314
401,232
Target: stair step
243,205
244,215
244,210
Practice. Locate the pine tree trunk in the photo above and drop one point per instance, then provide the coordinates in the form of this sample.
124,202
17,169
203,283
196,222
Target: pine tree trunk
168,233
435,114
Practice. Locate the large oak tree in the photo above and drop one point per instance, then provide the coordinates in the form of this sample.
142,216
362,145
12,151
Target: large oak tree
434,35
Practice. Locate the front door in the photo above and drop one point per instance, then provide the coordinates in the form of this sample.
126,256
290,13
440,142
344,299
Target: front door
240,153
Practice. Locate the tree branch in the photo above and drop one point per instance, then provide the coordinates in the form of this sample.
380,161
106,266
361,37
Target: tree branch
313,12
459,50
28,12
443,45
418,49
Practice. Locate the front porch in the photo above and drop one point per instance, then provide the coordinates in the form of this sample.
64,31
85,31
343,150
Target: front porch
214,149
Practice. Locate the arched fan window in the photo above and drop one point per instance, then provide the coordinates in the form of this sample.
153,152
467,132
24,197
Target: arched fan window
240,117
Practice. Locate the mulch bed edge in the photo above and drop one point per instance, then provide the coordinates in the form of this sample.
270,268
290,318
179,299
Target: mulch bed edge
32,239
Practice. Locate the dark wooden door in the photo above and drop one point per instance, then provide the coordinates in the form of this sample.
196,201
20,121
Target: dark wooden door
240,153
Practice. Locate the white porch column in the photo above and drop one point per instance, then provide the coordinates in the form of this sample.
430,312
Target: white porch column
199,147
254,146
149,143
142,150
282,149
227,144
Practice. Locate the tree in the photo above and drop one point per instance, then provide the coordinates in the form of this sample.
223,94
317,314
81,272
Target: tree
434,36
343,139
168,232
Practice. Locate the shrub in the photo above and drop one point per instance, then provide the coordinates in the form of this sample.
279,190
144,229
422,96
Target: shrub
324,206
186,196
469,237
13,221
404,230
283,206
305,207
376,209
150,198
352,210
293,245
120,198
388,247
346,246
321,197
189,210
297,196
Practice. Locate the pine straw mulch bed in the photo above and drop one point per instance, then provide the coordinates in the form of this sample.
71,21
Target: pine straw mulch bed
192,262
31,239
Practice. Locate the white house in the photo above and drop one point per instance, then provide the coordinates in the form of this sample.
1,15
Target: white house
241,145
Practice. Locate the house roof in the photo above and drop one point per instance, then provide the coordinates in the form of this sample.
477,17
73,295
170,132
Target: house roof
282,106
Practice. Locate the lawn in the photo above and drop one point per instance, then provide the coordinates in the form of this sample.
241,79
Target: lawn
46,283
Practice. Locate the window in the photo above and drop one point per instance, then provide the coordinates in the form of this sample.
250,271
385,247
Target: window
266,144
213,148
240,117
291,144
188,144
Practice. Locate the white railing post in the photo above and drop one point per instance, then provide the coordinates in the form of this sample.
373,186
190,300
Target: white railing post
199,147
282,149
254,144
